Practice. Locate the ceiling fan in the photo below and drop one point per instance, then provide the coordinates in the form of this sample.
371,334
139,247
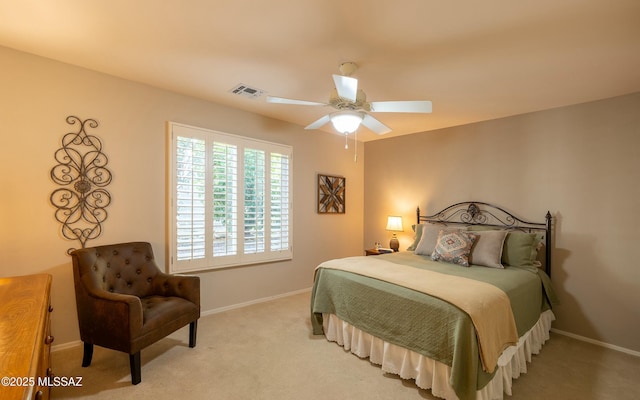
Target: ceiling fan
352,106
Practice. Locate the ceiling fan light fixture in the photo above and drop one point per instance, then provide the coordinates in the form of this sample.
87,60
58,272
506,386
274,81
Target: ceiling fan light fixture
352,106
346,121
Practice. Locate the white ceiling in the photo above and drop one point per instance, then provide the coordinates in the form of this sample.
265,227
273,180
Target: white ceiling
476,60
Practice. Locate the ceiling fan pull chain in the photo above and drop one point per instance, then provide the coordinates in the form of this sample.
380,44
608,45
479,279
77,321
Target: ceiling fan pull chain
346,141
355,145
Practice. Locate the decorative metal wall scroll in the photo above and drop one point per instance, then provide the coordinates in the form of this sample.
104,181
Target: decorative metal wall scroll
81,170
331,194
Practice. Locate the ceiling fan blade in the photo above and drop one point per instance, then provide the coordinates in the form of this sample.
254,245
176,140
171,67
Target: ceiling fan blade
401,106
346,86
282,100
375,125
317,124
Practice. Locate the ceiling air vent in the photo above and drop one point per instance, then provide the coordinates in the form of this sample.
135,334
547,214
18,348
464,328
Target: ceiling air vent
247,91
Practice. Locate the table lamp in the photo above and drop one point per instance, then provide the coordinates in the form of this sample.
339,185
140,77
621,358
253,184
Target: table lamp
394,224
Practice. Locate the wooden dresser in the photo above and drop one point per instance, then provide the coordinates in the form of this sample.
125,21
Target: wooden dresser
25,337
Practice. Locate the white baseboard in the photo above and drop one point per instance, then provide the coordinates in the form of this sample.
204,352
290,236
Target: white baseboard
597,342
64,346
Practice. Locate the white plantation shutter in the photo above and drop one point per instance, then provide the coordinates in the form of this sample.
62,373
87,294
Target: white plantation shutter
279,209
190,187
254,201
225,199
230,200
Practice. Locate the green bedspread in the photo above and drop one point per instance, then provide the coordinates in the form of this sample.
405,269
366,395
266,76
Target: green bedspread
424,324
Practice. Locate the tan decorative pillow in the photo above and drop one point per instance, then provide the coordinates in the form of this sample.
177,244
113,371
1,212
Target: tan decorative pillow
454,247
428,238
487,249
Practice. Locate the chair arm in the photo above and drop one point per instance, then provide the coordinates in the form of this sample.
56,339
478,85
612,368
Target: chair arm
115,314
184,286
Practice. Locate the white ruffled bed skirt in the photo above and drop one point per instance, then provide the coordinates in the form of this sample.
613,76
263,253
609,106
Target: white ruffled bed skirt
431,374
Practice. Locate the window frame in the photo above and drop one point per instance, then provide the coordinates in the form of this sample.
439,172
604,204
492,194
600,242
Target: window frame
211,261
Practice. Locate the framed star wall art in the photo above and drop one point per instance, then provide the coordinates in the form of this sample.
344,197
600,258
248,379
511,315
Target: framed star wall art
331,194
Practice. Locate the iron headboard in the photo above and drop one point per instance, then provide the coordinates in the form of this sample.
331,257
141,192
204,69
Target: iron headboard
470,213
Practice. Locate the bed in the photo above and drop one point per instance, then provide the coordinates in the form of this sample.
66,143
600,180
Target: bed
461,311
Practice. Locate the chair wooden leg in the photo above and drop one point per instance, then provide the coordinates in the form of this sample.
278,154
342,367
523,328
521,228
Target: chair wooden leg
88,354
193,330
134,362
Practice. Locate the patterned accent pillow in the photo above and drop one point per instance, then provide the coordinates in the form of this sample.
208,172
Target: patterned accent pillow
454,247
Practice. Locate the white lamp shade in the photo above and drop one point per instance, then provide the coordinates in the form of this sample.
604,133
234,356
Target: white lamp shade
394,223
346,121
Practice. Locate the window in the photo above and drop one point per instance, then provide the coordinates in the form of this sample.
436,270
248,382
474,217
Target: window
230,200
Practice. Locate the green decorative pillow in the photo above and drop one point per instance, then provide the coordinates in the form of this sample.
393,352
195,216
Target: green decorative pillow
418,230
454,247
487,250
521,249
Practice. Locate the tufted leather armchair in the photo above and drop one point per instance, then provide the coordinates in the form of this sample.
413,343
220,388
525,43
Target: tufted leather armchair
126,303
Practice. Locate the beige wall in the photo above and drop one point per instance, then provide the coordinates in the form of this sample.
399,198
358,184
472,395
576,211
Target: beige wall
581,162
38,94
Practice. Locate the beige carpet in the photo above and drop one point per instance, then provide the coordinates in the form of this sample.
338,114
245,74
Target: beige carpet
266,352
